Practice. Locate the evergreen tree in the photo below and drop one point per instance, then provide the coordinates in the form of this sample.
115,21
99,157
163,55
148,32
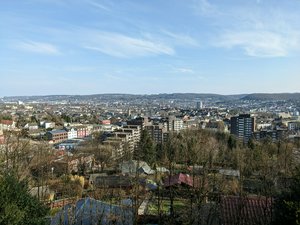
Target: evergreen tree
17,206
287,205
232,142
148,151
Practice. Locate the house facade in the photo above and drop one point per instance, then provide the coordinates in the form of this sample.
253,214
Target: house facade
82,131
7,125
72,133
57,135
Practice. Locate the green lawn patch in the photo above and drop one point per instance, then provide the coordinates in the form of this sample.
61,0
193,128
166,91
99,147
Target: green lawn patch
165,206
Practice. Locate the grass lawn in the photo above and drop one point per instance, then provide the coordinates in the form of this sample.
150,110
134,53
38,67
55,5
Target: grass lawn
165,206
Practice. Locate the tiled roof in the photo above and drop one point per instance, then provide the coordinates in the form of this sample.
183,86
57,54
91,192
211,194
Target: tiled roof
246,210
90,211
7,122
229,172
57,131
178,179
113,181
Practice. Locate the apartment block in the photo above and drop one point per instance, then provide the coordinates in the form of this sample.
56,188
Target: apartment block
242,126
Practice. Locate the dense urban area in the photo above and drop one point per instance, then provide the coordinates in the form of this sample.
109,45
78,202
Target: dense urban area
150,159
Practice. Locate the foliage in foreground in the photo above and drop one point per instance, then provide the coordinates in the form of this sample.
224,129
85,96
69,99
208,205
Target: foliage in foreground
287,205
17,206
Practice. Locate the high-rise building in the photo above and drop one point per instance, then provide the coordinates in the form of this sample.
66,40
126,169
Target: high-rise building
242,126
140,121
175,124
199,105
156,132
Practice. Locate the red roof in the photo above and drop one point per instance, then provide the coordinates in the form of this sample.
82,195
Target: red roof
105,122
7,122
246,210
178,179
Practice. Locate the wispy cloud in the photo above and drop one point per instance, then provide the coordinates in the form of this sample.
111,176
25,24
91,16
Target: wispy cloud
119,45
184,70
38,47
98,5
79,69
259,33
205,8
259,43
181,39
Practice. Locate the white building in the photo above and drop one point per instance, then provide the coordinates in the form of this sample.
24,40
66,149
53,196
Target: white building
175,124
294,126
178,124
47,124
72,133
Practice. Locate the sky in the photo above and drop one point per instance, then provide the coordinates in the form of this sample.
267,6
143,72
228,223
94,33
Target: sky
149,46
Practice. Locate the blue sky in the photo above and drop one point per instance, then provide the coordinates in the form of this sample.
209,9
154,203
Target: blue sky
149,46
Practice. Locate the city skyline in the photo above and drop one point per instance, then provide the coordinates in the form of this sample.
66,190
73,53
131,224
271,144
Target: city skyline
138,47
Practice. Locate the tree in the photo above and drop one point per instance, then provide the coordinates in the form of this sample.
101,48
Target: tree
147,148
17,206
5,117
232,142
103,153
66,118
287,205
16,155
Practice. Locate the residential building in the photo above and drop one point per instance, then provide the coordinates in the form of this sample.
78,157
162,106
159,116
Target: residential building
156,132
117,146
180,179
136,131
82,131
294,126
199,105
274,135
69,144
140,121
248,210
7,125
57,135
242,126
72,132
131,167
104,127
47,125
105,122
126,138
31,126
89,210
175,124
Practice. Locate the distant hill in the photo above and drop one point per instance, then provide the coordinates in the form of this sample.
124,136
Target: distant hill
189,96
124,97
272,97
163,96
